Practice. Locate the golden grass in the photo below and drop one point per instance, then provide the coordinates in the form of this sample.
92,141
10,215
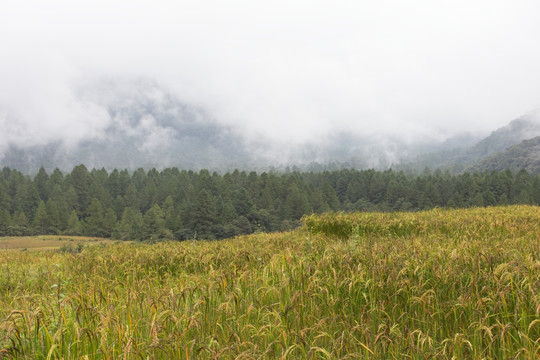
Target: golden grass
45,242
442,284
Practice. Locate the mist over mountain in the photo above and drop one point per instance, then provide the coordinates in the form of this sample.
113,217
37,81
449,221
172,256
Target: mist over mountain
486,151
525,127
138,123
132,123
144,126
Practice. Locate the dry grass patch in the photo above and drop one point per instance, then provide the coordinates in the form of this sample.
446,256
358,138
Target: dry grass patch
47,242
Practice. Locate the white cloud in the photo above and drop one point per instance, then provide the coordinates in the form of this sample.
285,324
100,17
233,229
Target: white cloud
293,71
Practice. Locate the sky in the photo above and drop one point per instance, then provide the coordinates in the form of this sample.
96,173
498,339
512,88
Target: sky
291,71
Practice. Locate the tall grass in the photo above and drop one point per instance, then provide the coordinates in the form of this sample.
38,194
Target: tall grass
443,284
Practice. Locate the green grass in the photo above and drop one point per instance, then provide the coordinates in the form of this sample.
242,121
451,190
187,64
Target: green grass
440,284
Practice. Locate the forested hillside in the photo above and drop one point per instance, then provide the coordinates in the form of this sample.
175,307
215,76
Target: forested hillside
179,204
525,155
490,150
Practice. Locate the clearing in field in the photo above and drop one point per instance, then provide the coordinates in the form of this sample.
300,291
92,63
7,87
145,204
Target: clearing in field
48,242
441,284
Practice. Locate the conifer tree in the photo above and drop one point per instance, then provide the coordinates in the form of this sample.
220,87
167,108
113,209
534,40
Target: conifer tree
109,222
41,219
74,226
5,222
130,226
153,223
94,220
41,181
203,215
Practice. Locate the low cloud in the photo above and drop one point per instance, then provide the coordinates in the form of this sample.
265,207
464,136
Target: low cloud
283,74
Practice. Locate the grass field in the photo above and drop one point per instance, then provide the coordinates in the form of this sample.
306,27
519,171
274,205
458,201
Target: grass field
441,284
47,242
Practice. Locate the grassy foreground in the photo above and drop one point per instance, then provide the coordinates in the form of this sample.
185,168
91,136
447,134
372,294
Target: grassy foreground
442,284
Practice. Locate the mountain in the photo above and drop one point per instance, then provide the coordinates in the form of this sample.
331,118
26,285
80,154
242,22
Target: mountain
132,123
475,157
146,126
525,127
139,123
525,155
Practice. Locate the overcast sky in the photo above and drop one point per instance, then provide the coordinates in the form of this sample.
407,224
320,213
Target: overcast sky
290,69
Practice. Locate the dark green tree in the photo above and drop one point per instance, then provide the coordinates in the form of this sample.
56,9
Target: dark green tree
41,219
94,222
130,226
5,222
81,180
41,181
153,222
203,215
109,222
75,226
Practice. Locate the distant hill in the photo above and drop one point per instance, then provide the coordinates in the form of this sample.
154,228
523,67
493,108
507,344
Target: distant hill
485,151
525,155
525,127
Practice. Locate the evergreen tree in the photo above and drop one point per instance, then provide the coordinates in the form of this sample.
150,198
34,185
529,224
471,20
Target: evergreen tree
521,188
317,203
131,224
20,225
71,200
130,197
171,216
330,196
489,198
21,220
5,222
153,222
81,180
113,184
5,198
203,215
296,204
242,226
242,202
228,212
109,222
56,178
56,222
41,181
27,198
95,219
41,219
74,224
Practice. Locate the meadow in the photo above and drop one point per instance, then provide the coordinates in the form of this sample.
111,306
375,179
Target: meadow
439,284
49,242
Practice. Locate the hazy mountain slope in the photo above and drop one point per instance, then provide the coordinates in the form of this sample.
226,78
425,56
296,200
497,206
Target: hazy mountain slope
467,158
146,127
138,123
525,127
525,155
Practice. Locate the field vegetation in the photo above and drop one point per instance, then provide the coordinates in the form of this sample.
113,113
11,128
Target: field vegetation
439,284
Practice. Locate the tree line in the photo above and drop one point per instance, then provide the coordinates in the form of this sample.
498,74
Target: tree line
181,204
